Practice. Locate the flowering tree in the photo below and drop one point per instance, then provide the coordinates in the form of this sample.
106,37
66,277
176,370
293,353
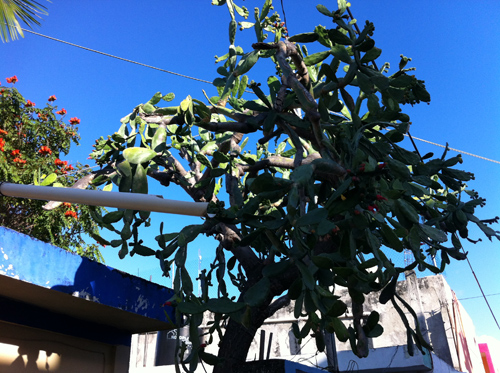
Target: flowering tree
324,198
32,140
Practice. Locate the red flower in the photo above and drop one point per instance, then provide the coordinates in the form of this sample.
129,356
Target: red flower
12,79
58,162
2,132
52,98
29,104
14,152
381,166
381,198
2,144
19,160
166,304
44,150
67,204
61,112
42,116
372,208
74,120
70,168
71,213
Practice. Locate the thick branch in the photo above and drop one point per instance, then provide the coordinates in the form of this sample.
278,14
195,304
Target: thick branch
229,236
277,161
228,126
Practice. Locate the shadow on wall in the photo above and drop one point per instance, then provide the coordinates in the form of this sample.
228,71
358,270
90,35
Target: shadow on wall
43,355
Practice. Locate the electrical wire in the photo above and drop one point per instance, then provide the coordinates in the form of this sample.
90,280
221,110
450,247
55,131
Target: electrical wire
479,296
119,58
482,292
208,82
456,150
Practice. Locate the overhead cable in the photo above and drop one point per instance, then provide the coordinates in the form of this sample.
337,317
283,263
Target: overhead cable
208,82
119,58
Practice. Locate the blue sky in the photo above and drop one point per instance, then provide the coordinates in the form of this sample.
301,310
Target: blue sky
454,48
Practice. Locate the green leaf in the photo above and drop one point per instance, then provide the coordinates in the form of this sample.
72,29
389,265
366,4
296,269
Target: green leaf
143,250
315,58
189,233
391,239
191,308
140,181
340,52
224,306
168,97
258,293
315,216
398,168
107,188
246,63
203,160
371,55
159,140
49,179
340,329
407,210
138,155
112,217
155,99
389,291
307,276
275,269
306,37
324,10
339,37
148,108
432,233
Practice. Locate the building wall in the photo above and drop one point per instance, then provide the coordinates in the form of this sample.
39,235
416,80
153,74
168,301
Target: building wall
24,349
443,320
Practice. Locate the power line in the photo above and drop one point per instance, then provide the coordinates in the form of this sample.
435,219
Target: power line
208,82
479,296
119,58
456,150
482,292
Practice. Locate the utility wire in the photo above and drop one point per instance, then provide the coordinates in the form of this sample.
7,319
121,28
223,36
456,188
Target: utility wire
206,81
482,292
479,296
119,58
456,150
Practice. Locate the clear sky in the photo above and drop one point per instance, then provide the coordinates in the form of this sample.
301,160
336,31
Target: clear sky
453,45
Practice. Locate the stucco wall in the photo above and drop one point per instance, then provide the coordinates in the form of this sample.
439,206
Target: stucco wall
24,349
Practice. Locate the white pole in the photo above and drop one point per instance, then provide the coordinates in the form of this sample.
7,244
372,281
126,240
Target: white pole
132,201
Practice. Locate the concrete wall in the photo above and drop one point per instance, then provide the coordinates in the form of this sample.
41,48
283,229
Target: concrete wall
24,349
444,322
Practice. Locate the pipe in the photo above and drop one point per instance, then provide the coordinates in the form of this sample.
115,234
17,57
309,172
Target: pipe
132,201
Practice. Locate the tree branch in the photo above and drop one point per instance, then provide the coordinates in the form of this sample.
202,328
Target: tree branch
229,236
228,126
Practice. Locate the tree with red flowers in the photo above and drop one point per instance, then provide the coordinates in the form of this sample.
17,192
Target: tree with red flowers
32,141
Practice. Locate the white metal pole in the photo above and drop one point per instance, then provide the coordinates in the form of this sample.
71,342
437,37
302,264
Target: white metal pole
132,201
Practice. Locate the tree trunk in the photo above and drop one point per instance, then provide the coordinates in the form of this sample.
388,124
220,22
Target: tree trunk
235,345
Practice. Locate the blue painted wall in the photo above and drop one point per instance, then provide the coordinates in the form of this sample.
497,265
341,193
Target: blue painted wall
42,264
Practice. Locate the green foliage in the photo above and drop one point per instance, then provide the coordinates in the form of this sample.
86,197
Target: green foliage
31,141
12,11
321,201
